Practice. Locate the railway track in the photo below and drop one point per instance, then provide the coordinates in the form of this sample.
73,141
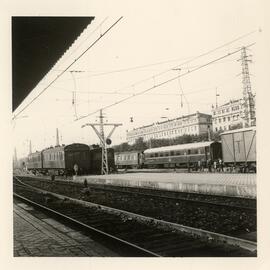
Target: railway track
207,199
194,212
143,235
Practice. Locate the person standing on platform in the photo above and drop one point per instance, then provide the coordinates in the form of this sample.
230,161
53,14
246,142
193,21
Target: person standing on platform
209,165
220,161
215,166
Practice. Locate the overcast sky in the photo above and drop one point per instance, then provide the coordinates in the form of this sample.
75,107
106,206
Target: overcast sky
143,44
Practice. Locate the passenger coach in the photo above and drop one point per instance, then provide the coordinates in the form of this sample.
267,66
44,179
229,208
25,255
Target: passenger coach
132,159
62,159
182,155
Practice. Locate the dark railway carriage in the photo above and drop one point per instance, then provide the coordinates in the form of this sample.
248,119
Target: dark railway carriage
61,159
182,155
95,160
239,148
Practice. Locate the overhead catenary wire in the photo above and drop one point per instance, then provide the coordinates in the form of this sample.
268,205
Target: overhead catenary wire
128,69
138,82
59,75
187,92
189,61
162,83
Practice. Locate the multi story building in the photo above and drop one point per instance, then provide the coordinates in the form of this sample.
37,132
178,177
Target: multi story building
228,115
192,124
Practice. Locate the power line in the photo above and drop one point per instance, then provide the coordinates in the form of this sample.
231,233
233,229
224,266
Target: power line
162,83
59,75
90,34
213,87
181,64
130,69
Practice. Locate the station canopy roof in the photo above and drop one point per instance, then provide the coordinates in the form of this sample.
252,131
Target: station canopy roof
37,44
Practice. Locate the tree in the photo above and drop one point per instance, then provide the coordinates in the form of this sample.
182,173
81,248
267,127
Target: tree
139,145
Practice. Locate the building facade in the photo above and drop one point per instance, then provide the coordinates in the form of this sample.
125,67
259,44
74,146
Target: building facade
192,124
228,115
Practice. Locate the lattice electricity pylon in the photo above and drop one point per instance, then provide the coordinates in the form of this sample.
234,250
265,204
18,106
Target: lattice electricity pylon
103,140
248,114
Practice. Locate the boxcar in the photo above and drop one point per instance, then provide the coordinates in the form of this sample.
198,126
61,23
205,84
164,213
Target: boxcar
62,159
239,147
131,159
182,155
95,160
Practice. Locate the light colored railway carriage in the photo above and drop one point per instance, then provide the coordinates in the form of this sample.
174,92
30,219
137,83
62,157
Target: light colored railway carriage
182,155
62,159
133,159
34,161
239,147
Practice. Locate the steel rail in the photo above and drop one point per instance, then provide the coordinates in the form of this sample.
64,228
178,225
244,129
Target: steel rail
229,240
127,244
144,193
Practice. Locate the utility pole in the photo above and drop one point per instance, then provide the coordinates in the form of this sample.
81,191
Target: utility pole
209,133
248,114
30,147
15,159
217,95
57,137
103,139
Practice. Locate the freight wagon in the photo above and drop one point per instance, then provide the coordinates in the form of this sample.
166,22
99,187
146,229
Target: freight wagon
239,148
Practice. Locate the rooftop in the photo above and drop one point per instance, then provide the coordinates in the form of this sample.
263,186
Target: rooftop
171,120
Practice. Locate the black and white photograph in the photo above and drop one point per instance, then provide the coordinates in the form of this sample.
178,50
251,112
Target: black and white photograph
135,135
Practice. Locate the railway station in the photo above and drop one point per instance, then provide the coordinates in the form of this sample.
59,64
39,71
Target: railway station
122,155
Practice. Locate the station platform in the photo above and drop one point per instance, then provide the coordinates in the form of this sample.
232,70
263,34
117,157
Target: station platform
37,235
229,184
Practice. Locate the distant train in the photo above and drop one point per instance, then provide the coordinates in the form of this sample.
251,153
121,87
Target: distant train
174,156
68,159
236,149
